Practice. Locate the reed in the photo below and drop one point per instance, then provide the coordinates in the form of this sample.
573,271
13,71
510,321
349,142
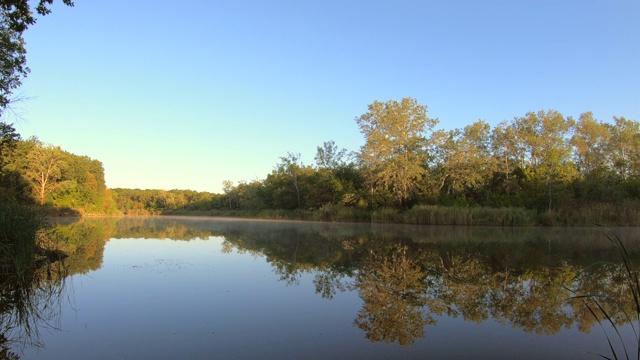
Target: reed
338,213
607,310
453,215
420,215
19,226
624,213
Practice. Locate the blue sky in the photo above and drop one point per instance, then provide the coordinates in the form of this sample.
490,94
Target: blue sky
187,94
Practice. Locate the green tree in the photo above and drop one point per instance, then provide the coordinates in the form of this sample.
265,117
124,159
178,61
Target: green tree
624,147
393,154
463,157
504,147
590,140
544,151
329,156
44,170
290,167
8,140
227,187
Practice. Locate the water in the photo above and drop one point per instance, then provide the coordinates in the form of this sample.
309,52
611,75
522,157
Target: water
202,288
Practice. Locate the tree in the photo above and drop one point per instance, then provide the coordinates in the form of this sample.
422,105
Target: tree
544,152
329,156
45,169
393,154
463,157
590,140
227,187
283,188
503,144
15,17
8,139
624,147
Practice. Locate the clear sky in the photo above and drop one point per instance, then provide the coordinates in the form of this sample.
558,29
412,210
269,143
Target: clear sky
185,94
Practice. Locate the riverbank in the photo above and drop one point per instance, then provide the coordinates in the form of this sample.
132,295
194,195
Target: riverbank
623,214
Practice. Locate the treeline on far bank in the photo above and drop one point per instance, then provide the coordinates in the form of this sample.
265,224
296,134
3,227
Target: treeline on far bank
542,168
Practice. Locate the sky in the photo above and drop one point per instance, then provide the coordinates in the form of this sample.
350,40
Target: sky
186,94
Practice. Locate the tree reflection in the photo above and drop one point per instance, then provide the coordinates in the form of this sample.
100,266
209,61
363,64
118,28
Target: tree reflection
404,283
406,276
328,282
393,293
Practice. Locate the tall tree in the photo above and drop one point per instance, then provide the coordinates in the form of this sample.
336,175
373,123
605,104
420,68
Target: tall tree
45,169
463,157
590,140
290,168
394,150
545,151
504,147
624,147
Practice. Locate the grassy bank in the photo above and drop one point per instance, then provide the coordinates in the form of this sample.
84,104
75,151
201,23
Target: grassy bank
441,215
423,215
626,213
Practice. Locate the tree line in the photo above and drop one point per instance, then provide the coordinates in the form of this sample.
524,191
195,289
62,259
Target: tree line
543,161
33,172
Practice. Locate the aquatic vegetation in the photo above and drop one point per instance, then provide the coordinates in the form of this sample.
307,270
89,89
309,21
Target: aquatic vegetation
611,313
19,226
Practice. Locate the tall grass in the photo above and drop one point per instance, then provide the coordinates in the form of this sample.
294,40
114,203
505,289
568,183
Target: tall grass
624,213
606,310
454,215
31,301
31,278
423,215
19,227
338,213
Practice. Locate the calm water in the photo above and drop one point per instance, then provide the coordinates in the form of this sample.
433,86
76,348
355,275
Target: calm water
202,288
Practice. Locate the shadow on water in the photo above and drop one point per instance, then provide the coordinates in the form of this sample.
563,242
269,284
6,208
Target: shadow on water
407,276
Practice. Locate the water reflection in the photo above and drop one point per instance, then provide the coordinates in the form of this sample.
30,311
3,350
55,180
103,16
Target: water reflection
392,287
29,303
407,276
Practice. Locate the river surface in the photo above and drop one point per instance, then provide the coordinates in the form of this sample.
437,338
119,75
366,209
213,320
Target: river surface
212,288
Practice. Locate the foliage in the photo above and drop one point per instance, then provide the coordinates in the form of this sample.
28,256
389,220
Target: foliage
37,172
540,168
154,202
394,149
